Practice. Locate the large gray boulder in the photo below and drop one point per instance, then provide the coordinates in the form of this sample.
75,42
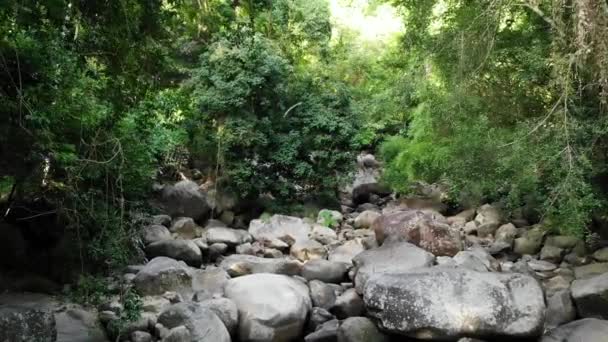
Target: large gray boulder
242,264
184,250
584,330
163,274
19,324
184,198
280,227
448,303
271,307
591,296
394,257
202,323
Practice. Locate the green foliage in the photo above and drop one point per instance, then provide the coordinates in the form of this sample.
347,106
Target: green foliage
328,220
497,112
131,312
90,290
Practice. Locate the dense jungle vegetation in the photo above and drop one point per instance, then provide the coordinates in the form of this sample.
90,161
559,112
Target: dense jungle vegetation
501,101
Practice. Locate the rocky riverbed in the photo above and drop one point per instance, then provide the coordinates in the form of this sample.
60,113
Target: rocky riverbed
377,270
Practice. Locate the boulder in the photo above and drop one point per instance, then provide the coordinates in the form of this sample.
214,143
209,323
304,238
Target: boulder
462,217
185,228
360,329
184,198
591,270
323,234
584,330
229,236
161,220
163,274
19,324
346,252
560,309
426,230
271,307
448,303
326,332
184,250
324,270
178,334
506,233
530,242
305,250
279,227
321,294
203,324
562,241
141,336
488,213
393,257
348,304
155,233
239,265
366,219
552,254
591,296
226,311
601,254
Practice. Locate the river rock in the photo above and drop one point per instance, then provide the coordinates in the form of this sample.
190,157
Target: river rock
584,330
392,257
305,250
326,332
163,274
552,254
238,265
184,250
324,270
506,233
366,219
447,303
185,228
161,220
530,242
591,296
601,254
560,309
155,233
591,270
202,323
271,307
278,227
346,252
19,324
321,294
323,234
426,230
348,304
360,329
226,311
184,199
229,236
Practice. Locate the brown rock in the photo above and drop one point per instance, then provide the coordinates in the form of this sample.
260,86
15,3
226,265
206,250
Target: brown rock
425,230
